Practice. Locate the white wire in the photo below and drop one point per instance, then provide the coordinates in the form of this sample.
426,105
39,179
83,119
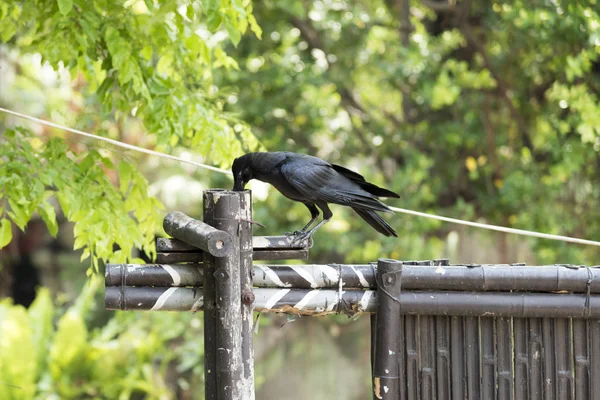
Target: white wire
116,142
226,172
498,228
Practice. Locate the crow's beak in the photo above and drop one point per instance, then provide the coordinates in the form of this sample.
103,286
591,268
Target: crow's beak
238,185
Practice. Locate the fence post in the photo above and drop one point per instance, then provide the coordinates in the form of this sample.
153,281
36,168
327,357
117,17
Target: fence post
224,368
373,326
386,379
246,275
210,309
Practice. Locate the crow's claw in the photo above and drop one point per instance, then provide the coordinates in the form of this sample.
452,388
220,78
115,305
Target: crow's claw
295,233
299,236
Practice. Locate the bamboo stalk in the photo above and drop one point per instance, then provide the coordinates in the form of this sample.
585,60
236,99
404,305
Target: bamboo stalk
198,234
386,379
169,245
461,278
226,210
208,300
324,302
246,272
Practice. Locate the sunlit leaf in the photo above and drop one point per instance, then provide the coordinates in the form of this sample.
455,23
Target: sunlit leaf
5,232
65,6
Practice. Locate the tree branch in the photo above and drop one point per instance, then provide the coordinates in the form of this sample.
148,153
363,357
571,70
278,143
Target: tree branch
308,33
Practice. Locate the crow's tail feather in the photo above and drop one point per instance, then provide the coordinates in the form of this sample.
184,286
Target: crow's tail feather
376,221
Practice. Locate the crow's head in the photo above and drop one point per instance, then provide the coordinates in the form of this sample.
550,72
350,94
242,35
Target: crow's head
242,172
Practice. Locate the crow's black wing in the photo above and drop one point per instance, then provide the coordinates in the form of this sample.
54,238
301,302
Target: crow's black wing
348,173
360,181
319,181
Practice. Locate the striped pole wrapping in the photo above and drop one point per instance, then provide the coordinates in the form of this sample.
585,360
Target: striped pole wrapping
313,276
293,301
284,276
324,301
415,277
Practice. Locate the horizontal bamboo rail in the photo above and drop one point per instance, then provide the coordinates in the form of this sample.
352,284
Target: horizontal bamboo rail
551,278
323,302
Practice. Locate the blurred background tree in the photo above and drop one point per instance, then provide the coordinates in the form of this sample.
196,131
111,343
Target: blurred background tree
481,111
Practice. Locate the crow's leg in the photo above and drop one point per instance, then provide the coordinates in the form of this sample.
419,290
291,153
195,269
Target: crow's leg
314,213
327,214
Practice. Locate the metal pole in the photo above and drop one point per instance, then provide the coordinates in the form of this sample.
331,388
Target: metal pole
386,385
226,211
246,275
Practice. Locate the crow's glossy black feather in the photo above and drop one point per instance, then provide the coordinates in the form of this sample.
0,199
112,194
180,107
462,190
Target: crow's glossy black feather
376,221
313,181
360,181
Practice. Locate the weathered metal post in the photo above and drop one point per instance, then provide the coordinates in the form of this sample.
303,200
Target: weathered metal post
386,377
229,369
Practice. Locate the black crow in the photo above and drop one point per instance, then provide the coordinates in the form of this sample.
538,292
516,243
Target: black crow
315,183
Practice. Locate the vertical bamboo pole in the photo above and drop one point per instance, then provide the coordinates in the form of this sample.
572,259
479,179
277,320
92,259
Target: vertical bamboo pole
388,347
373,325
210,310
246,272
225,207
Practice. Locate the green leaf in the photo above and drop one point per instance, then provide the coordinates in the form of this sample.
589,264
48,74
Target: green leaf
127,71
84,255
64,199
213,15
234,34
80,241
9,28
18,213
254,26
48,214
147,52
5,232
65,6
125,171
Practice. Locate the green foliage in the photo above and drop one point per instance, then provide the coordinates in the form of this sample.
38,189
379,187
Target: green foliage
483,111
123,359
36,176
19,371
584,108
480,110
154,60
